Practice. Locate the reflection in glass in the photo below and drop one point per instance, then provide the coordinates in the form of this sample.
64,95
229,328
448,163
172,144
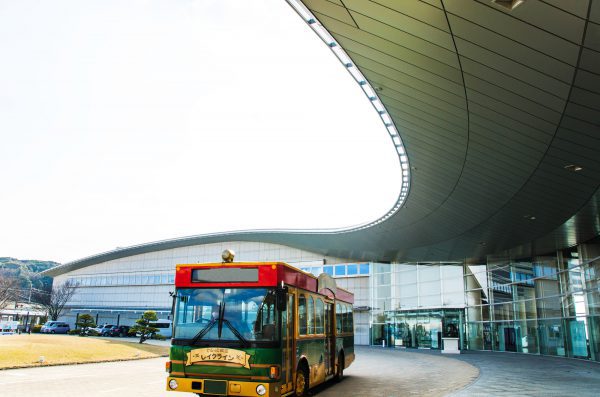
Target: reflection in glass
248,314
546,305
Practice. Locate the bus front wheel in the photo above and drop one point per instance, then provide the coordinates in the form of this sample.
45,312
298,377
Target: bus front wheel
302,382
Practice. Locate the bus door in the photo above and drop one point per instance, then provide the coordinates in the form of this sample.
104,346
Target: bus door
288,348
329,338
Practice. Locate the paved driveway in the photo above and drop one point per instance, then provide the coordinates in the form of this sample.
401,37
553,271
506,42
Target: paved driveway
376,372
514,374
121,378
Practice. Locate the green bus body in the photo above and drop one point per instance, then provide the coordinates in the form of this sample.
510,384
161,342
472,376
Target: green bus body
313,343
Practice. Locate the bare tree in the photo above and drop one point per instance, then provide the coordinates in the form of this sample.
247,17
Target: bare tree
55,302
8,288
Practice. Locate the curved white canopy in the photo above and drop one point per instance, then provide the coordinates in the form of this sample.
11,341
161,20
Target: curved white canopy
499,113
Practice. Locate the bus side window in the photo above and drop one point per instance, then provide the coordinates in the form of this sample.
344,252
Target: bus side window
338,318
319,315
301,315
347,318
311,315
351,318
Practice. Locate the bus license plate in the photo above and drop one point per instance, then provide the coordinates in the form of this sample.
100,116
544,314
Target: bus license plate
215,387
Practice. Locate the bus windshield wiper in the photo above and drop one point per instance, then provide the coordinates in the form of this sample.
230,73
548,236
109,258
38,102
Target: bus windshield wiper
203,331
231,327
220,320
210,325
221,315
236,332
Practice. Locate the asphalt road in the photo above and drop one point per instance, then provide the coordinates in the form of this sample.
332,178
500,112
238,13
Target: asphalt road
376,372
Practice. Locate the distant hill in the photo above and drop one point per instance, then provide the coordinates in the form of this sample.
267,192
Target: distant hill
28,273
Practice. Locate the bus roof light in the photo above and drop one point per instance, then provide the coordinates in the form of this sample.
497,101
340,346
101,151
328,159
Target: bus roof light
228,256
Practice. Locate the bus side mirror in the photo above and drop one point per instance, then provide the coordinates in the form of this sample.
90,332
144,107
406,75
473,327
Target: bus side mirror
281,295
173,297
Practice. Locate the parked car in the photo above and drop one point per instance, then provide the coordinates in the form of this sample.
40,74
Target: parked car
119,330
103,330
55,327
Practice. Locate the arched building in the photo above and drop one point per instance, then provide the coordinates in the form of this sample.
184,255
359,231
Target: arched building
493,109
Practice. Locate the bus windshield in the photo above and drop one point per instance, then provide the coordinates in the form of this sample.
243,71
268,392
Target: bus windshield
226,314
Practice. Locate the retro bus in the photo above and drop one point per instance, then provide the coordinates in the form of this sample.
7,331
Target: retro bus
257,329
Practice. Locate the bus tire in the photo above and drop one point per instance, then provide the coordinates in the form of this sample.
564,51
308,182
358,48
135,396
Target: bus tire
340,368
302,381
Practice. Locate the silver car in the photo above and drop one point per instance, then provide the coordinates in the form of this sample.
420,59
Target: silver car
103,330
55,327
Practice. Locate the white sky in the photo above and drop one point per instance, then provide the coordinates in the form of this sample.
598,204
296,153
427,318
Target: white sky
125,122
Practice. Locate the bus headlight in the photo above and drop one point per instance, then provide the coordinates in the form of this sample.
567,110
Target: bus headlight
261,390
173,384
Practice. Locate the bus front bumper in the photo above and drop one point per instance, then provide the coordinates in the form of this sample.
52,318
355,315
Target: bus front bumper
223,387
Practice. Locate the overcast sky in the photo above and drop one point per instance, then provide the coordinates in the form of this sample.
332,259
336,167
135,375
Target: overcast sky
126,122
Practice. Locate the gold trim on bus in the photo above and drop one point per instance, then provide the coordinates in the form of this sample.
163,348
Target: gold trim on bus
234,388
232,365
200,375
312,336
265,366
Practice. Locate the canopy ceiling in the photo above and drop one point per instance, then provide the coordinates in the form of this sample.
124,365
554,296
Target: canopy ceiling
499,112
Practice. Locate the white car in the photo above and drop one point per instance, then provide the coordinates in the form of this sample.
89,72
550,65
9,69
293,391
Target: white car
164,327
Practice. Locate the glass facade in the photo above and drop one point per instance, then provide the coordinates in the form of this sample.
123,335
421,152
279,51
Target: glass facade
108,280
339,270
416,304
540,305
415,328
547,304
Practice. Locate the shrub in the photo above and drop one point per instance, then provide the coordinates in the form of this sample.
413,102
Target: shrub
36,329
74,331
158,337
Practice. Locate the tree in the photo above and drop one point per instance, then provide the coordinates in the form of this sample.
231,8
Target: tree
143,326
55,302
86,322
8,288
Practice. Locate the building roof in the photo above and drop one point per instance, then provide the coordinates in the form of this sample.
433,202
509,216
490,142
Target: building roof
498,111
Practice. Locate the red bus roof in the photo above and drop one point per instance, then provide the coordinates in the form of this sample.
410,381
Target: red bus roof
270,274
